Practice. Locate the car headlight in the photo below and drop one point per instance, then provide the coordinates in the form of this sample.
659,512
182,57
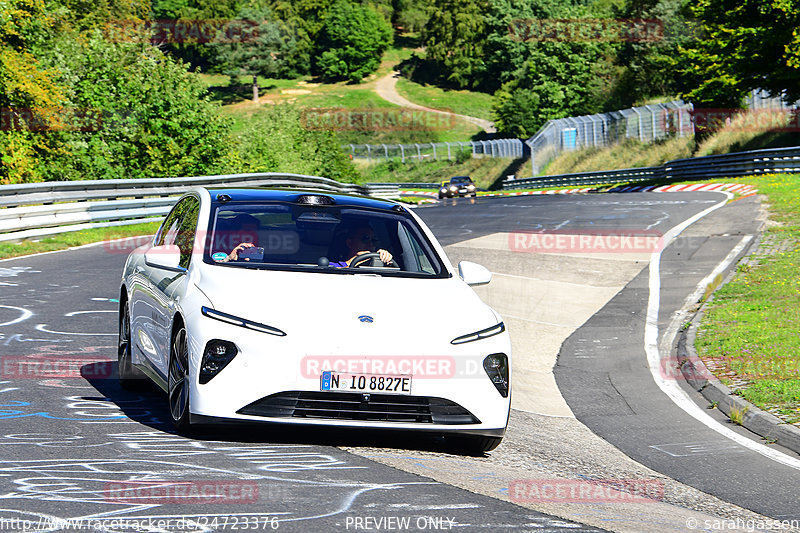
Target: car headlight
241,322
496,367
453,188
216,356
443,189
479,335
470,186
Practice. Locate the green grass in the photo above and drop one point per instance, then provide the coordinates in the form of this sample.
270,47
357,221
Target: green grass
629,154
308,92
751,131
748,334
737,415
470,103
77,238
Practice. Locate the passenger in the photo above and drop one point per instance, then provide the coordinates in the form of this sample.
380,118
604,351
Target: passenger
244,227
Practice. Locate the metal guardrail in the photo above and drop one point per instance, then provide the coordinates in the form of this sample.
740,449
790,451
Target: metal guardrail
409,185
513,148
37,210
769,161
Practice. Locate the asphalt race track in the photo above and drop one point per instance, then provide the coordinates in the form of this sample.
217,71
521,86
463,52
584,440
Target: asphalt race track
72,443
67,443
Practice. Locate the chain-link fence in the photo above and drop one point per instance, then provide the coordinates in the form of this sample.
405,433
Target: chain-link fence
761,99
514,148
646,123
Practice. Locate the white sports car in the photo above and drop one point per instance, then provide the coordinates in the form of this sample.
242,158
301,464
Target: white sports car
309,308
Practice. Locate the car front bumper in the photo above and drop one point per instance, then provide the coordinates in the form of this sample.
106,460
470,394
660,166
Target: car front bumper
273,370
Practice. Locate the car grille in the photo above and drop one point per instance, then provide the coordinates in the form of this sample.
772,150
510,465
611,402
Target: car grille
358,406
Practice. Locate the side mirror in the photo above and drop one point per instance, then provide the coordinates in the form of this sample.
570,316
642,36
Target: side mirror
166,257
473,273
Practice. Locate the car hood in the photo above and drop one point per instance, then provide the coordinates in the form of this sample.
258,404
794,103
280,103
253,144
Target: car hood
327,307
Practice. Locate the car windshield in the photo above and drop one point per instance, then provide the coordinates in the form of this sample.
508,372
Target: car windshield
283,236
460,180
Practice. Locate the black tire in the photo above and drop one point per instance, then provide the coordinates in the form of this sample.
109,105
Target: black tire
473,444
130,378
178,381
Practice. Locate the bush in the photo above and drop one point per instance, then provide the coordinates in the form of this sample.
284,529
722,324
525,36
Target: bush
274,140
153,118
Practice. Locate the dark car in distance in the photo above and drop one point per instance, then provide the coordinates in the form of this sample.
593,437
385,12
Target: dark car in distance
458,186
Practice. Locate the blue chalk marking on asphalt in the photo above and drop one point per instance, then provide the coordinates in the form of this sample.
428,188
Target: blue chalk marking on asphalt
9,414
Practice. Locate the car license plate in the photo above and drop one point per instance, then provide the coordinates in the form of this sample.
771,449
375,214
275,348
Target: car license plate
343,382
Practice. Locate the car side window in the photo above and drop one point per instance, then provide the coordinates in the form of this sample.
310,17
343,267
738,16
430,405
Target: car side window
180,228
419,256
166,234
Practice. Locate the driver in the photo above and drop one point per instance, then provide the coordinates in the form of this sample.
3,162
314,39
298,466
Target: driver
361,240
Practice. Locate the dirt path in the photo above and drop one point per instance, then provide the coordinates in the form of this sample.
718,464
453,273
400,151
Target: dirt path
386,88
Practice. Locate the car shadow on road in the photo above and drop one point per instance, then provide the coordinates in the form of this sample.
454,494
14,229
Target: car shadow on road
147,405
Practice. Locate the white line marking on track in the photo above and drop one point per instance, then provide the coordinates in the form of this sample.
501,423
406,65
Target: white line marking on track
73,313
671,387
26,314
43,327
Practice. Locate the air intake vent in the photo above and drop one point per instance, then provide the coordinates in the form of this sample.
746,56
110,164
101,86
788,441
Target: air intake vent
357,406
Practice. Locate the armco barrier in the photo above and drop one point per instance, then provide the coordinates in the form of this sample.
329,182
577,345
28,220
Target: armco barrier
36,210
756,162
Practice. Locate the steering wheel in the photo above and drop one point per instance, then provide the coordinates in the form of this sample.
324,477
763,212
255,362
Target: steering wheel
359,260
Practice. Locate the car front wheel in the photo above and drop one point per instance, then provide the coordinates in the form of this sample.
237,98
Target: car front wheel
178,381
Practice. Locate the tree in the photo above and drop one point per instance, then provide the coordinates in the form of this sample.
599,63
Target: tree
551,61
305,19
552,85
410,15
200,18
652,67
255,45
745,45
31,99
352,41
454,41
507,44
